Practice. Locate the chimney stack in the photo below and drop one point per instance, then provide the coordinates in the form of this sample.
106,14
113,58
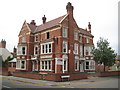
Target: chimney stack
89,27
69,8
3,43
33,22
44,19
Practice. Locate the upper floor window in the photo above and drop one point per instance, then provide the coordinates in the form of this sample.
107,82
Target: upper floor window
81,51
87,40
24,39
64,32
46,48
21,50
36,38
75,48
75,35
35,50
65,47
80,39
48,35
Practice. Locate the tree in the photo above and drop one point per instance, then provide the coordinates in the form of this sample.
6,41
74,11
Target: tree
104,53
5,63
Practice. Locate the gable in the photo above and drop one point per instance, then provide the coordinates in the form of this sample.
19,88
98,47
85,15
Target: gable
25,29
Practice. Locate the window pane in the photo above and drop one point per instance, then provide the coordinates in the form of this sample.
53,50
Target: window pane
23,50
64,32
48,35
43,49
46,48
49,65
42,64
45,64
50,48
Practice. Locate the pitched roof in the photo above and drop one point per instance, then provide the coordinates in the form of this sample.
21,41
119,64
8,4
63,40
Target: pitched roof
49,24
32,27
85,32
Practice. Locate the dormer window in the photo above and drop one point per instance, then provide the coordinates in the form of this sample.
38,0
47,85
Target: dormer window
36,38
48,35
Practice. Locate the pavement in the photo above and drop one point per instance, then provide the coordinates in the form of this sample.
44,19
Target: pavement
57,84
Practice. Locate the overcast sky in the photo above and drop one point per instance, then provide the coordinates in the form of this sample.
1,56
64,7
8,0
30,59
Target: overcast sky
103,15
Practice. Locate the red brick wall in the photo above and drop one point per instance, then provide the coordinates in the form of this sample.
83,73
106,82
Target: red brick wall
111,73
26,75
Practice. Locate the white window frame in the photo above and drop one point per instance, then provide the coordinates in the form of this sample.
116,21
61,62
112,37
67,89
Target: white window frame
48,49
24,65
90,61
43,65
87,40
75,35
81,51
76,63
75,48
36,38
35,46
65,59
65,47
23,39
80,39
19,50
20,65
64,32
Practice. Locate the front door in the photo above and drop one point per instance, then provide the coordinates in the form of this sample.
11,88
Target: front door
81,67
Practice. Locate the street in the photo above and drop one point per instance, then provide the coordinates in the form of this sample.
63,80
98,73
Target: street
93,82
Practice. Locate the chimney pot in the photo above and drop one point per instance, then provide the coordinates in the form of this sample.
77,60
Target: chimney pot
44,19
33,22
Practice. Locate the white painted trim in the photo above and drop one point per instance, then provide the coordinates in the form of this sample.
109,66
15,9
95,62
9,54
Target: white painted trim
89,66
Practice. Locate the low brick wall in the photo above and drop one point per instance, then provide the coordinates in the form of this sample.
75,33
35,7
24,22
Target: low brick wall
57,77
109,73
51,76
26,75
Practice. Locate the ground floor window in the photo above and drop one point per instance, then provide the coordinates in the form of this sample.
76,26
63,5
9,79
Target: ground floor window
76,65
90,65
65,64
46,65
21,64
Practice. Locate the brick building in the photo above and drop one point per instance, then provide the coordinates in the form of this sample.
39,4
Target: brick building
56,46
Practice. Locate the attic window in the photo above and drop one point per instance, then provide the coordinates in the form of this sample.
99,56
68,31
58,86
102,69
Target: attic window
48,35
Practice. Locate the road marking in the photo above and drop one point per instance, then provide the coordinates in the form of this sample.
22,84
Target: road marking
5,86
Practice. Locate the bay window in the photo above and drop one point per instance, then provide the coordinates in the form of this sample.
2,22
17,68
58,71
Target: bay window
46,48
46,65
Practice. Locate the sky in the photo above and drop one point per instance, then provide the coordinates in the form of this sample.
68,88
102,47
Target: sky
103,15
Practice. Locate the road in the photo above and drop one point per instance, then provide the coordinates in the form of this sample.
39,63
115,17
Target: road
96,82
